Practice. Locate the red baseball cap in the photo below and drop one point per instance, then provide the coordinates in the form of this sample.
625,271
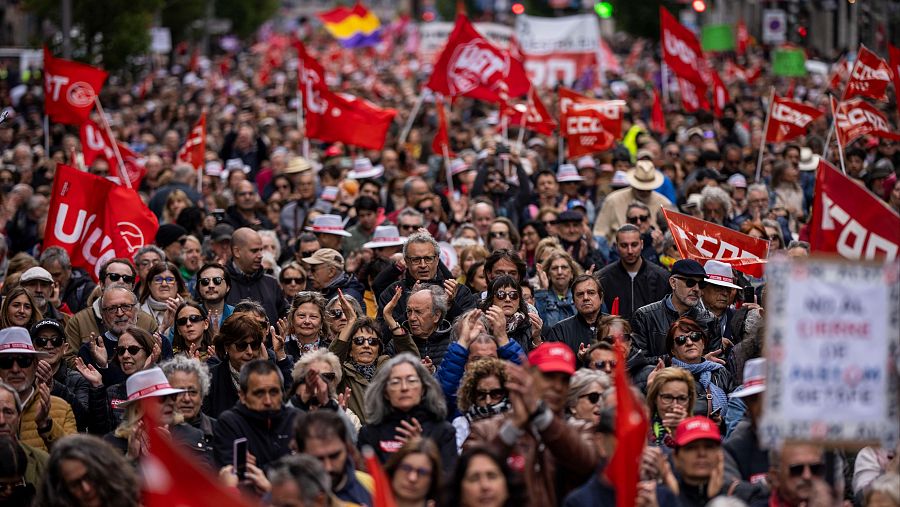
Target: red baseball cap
552,357
696,428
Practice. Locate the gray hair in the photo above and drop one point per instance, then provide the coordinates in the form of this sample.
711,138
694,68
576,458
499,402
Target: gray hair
710,194
638,205
308,474
350,299
149,248
758,187
111,288
581,381
421,237
887,484
184,364
411,212
376,404
439,303
456,328
268,233
58,255
798,244
407,185
15,394
726,501
301,367
184,173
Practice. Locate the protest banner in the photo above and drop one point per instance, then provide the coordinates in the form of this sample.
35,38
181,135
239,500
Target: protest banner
870,76
856,118
589,124
70,89
681,49
701,240
788,120
832,335
789,62
558,50
433,37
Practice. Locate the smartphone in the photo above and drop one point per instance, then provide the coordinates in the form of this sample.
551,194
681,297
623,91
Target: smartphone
749,294
219,214
239,458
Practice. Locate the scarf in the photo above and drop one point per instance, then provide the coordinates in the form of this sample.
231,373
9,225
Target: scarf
661,436
366,370
235,376
155,305
703,372
476,413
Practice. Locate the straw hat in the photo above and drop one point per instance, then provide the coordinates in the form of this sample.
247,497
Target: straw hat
644,176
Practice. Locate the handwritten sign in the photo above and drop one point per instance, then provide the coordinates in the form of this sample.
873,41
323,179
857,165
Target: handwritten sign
832,338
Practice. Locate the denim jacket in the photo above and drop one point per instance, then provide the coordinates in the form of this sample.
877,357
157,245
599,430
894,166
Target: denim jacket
551,309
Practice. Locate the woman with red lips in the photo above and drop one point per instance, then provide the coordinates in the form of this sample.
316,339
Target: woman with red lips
18,309
508,314
162,292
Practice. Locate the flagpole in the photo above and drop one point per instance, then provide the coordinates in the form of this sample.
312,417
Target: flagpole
830,131
561,143
762,140
664,81
837,138
445,147
123,173
412,117
47,136
521,137
447,172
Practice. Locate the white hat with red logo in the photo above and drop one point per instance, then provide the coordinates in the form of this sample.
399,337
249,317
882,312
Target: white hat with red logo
719,273
385,235
329,224
568,173
754,378
148,383
16,340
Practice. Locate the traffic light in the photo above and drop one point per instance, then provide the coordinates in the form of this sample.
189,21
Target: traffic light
699,5
518,8
801,31
603,9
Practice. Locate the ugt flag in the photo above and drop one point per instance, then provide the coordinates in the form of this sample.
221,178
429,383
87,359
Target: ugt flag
69,89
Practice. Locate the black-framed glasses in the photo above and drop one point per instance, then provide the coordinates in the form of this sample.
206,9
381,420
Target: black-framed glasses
815,469
216,280
328,376
494,394
372,341
182,321
41,342
131,349
671,398
115,309
242,346
636,219
694,337
7,360
691,282
594,397
115,277
425,259
507,295
605,365
426,209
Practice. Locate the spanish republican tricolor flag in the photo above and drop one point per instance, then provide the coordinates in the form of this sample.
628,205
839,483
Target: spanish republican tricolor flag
353,28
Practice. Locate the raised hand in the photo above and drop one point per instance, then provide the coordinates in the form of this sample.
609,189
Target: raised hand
498,323
98,351
536,325
154,356
429,364
43,411
450,287
659,366
44,372
522,392
543,279
409,430
714,356
343,398
278,339
347,308
388,310
89,372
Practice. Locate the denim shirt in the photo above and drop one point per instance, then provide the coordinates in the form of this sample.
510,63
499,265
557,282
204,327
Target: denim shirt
551,309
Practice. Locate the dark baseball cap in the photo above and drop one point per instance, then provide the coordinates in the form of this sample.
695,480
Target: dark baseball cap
55,324
221,232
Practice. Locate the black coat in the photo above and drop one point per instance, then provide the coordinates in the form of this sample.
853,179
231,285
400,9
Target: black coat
268,433
746,462
349,285
78,290
435,347
189,438
464,300
234,218
382,437
651,283
222,393
574,332
650,323
260,287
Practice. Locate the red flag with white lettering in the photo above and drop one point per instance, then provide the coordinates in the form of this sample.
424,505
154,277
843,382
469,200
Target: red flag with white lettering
471,66
894,54
693,96
856,118
95,143
850,221
701,240
681,49
193,151
533,115
95,220
624,466
590,125
69,89
869,78
789,120
720,95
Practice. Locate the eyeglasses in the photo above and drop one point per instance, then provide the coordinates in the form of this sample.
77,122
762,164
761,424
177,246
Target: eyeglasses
328,376
216,280
603,365
691,282
131,349
815,469
115,309
592,397
41,342
499,234
163,279
426,209
398,383
242,346
425,259
336,313
693,337
181,321
507,295
670,398
295,281
638,219
409,227
147,262
494,394
407,469
359,341
6,361
245,194
115,277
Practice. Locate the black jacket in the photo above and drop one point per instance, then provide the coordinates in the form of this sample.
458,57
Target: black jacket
71,386
650,323
268,433
222,393
435,347
393,273
464,300
78,290
259,287
574,332
234,218
350,286
382,437
187,436
746,462
651,283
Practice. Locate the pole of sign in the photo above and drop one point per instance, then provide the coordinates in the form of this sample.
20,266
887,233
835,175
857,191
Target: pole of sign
123,173
46,136
762,140
830,131
301,120
837,138
412,117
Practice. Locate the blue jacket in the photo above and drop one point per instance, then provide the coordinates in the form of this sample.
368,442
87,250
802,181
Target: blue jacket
451,370
597,494
551,309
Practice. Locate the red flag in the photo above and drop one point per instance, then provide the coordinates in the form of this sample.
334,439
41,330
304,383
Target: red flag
850,221
869,78
532,114
894,53
69,89
657,118
681,49
590,125
134,166
720,95
839,75
441,143
701,240
790,91
857,118
471,66
789,119
194,149
383,495
615,306
95,219
742,36
95,143
693,96
623,470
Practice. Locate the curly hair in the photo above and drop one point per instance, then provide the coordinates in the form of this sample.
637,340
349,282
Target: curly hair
671,374
376,404
8,299
184,364
475,371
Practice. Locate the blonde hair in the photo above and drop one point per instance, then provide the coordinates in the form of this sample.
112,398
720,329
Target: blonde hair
548,243
672,374
134,412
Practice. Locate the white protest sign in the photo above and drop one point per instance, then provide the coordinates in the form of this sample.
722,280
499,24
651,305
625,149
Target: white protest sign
832,338
433,37
558,50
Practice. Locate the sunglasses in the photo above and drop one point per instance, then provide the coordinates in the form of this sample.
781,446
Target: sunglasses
41,342
409,227
307,254
328,376
336,313
507,295
181,321
6,362
115,277
132,349
494,394
242,346
426,209
499,234
691,282
592,397
373,342
602,365
638,219
815,469
694,337
216,280
295,281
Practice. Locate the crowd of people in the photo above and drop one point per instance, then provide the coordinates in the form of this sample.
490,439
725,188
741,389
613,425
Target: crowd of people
322,302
